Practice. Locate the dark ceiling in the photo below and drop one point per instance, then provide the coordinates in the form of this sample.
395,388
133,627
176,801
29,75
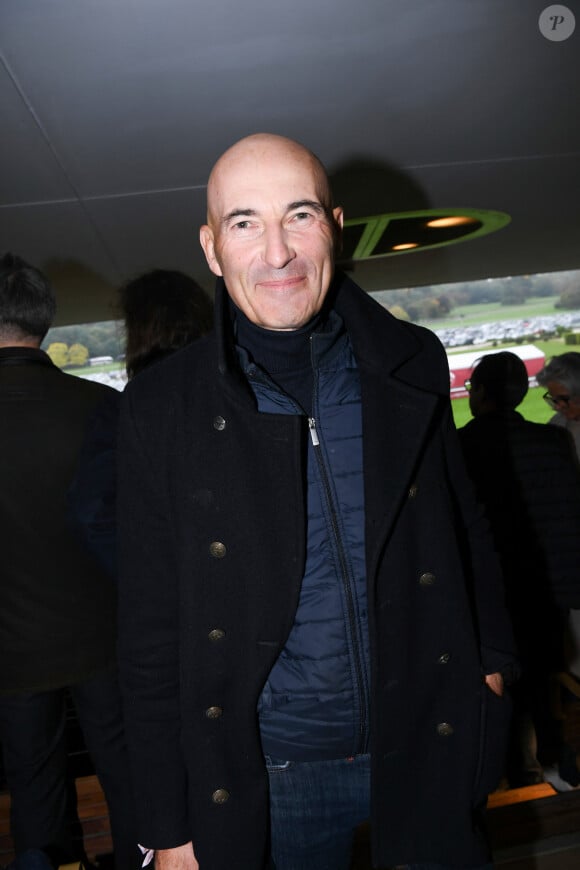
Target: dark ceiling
113,112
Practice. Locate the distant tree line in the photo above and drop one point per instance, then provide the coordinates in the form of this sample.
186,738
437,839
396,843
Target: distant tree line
415,303
431,303
74,345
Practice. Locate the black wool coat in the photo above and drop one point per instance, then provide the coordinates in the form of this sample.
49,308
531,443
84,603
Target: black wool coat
57,608
527,477
212,538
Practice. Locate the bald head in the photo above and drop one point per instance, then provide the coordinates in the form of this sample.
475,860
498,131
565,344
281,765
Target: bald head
271,229
268,151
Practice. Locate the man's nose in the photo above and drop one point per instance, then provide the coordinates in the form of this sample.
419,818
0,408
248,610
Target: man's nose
278,251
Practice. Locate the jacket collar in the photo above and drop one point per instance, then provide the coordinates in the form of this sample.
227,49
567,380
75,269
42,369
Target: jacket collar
501,417
368,323
364,319
228,364
21,355
404,384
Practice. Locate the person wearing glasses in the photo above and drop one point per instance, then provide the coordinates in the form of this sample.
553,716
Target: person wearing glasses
527,477
561,376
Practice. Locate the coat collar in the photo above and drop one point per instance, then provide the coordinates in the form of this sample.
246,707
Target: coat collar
23,355
404,385
493,419
365,322
404,388
386,349
228,365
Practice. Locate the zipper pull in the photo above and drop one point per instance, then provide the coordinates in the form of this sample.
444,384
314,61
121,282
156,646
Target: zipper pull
313,432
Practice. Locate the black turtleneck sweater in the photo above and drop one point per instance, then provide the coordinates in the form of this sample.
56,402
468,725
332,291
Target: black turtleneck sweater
284,356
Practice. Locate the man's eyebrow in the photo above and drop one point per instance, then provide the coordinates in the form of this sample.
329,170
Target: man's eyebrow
310,203
292,206
238,212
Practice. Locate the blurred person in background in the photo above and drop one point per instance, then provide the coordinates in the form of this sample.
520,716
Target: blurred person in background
57,607
561,377
163,310
527,477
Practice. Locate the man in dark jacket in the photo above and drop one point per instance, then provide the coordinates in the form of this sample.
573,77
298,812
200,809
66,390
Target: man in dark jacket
57,609
312,629
527,477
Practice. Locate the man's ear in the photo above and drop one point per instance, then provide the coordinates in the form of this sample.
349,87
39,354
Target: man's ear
337,224
207,243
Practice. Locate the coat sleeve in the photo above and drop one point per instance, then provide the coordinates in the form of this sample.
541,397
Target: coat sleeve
148,630
484,575
557,519
91,498
497,645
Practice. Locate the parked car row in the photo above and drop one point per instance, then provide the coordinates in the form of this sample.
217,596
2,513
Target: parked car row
508,330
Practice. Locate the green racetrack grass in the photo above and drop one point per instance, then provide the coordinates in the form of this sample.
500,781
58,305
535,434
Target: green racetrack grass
532,408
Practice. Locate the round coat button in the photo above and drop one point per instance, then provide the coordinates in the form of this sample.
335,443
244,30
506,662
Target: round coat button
216,634
444,729
444,659
413,490
214,712
219,423
220,796
427,579
217,549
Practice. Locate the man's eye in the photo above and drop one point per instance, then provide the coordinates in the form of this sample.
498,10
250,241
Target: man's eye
301,217
242,225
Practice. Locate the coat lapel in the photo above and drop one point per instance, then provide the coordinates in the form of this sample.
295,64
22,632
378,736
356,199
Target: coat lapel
398,407
396,419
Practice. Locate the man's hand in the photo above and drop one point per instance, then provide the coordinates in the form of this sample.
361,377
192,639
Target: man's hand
495,683
180,858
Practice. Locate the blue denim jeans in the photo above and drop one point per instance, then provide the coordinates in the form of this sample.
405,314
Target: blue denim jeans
314,810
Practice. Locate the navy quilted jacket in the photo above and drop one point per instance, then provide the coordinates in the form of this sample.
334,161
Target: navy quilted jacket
315,702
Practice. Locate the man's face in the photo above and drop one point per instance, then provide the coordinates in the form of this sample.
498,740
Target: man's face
567,404
270,233
476,396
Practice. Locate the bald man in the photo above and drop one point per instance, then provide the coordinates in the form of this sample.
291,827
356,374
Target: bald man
312,625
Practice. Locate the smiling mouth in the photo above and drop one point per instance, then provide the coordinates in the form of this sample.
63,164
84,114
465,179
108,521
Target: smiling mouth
287,283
